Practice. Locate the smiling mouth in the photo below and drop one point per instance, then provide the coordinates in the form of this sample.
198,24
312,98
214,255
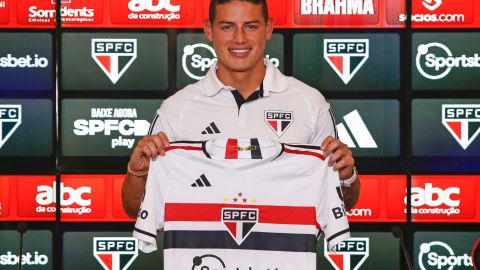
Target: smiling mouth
239,51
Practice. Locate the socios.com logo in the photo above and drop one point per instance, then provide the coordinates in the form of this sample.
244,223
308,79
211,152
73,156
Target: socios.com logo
439,255
435,60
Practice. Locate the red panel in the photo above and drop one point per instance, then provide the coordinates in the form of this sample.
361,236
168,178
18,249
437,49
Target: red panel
36,198
396,192
445,198
4,196
4,11
35,12
82,196
375,197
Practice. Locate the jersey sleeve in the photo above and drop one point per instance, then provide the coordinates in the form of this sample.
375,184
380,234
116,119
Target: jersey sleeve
331,213
324,126
161,123
151,215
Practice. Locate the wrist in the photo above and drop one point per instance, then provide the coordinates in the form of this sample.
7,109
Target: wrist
136,173
351,180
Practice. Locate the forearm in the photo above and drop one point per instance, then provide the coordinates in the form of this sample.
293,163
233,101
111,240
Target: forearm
351,194
133,189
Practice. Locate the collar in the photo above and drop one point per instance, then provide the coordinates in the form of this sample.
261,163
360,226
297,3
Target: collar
274,81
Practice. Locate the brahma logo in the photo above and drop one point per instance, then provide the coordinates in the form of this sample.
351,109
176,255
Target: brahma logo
108,120
337,7
10,120
115,253
137,6
239,222
349,255
439,255
462,121
434,200
346,56
438,63
114,56
69,196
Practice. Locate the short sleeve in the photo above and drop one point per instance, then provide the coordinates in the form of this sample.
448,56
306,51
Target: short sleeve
161,123
151,215
331,213
324,126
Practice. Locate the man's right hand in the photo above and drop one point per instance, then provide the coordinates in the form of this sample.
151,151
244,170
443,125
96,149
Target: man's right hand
133,188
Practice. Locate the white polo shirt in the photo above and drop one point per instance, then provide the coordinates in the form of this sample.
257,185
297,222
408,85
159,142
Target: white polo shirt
284,109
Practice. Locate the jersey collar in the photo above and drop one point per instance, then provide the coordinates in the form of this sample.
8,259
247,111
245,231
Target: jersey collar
274,81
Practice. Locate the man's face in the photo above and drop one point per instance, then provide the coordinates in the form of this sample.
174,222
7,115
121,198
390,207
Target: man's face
239,34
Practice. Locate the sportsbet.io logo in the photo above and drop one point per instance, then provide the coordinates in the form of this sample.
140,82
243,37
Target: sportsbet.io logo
440,256
349,255
115,253
462,121
435,60
10,120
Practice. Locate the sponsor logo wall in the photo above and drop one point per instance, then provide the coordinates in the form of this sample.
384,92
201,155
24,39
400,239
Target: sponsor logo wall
114,61
347,61
37,250
26,62
104,127
20,119
441,62
83,198
94,250
195,55
443,250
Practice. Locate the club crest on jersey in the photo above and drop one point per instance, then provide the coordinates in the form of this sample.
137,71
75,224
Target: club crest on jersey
10,120
346,56
350,254
115,253
462,121
279,121
114,56
239,222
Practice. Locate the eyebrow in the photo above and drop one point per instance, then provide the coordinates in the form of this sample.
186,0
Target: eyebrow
229,22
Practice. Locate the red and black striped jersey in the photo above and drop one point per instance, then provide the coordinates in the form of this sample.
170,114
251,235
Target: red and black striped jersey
241,204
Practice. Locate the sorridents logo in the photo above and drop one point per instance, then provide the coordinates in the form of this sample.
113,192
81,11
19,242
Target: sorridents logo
47,14
198,58
279,121
10,120
429,199
462,121
349,255
337,7
358,129
138,6
431,4
435,67
26,61
115,253
114,56
346,56
439,255
46,198
207,262
108,120
27,259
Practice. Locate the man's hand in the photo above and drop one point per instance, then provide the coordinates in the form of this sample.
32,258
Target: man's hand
342,161
149,147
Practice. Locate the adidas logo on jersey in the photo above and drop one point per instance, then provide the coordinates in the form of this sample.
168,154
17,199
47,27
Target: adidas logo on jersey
211,129
202,182
359,131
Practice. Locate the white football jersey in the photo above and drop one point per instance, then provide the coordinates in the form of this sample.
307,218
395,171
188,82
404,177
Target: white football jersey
241,204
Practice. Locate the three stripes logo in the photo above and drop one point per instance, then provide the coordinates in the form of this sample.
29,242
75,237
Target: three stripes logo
114,56
346,56
115,253
462,121
202,182
359,130
349,255
211,129
10,120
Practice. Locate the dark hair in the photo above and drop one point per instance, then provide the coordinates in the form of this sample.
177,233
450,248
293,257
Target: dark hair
214,3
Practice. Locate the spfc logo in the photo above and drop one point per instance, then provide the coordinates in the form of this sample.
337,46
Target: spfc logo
350,253
346,56
462,121
114,56
115,253
10,120
239,222
279,121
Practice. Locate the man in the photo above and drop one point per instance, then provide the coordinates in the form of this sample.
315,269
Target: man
242,96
